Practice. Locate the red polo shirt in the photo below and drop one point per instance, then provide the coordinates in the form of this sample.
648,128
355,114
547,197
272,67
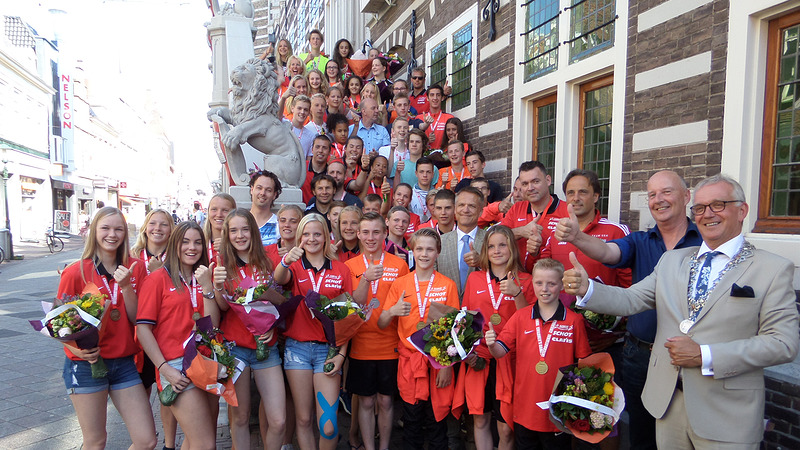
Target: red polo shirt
522,214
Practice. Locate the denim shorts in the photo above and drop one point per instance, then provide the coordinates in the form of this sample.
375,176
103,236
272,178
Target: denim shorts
248,356
78,379
176,363
305,356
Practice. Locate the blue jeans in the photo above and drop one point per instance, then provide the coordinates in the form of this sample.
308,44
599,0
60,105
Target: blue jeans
642,425
78,379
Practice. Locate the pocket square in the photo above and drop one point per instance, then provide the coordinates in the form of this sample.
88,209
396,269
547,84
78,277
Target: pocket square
742,291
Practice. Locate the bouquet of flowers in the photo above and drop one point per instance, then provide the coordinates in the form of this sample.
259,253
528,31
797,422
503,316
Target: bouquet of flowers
450,337
341,318
585,401
208,362
262,307
602,330
76,321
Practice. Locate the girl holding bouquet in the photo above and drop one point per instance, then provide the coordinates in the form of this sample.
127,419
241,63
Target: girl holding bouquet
106,264
312,266
218,208
173,298
244,257
498,290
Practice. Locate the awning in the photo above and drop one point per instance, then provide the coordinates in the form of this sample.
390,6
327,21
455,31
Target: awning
62,184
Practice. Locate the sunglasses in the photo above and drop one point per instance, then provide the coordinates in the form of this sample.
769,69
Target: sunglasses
417,78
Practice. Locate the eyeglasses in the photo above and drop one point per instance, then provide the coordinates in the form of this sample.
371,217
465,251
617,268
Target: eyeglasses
417,78
716,206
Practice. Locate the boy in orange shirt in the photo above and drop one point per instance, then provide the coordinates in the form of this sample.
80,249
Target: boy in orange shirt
373,350
427,393
450,176
546,337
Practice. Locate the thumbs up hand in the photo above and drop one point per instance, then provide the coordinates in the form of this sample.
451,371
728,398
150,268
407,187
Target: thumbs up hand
535,239
123,275
386,189
568,227
402,308
220,273
490,335
374,272
471,257
509,286
576,280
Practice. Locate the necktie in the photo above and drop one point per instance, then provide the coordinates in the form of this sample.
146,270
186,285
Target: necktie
702,278
463,268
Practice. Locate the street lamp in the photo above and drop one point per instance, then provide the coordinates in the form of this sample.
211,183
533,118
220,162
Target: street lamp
8,218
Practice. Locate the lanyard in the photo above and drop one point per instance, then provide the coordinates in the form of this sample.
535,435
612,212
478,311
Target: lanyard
453,173
423,202
374,284
299,136
422,303
543,348
211,253
113,293
192,295
373,189
495,304
316,284
145,259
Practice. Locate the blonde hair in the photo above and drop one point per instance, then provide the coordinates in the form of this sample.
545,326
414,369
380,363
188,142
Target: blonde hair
302,65
141,239
256,257
207,232
513,265
327,251
278,55
173,260
323,86
549,264
371,85
90,249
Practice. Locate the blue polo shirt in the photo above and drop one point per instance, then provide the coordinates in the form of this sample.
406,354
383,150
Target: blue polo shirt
641,251
374,137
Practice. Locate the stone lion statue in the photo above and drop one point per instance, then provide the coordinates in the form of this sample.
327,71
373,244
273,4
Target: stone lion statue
252,118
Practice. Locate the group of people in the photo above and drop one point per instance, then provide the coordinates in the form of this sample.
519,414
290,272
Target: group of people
400,231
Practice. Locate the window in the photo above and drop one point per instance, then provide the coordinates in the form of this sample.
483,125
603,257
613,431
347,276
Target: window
591,27
462,67
595,133
544,133
541,37
439,64
779,198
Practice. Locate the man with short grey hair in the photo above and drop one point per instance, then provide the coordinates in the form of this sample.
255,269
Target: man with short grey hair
726,310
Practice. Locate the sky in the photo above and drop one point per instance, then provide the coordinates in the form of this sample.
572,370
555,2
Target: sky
128,47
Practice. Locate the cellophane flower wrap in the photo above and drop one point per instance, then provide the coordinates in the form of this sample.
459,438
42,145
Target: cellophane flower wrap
262,307
602,330
341,317
586,402
450,335
209,363
76,321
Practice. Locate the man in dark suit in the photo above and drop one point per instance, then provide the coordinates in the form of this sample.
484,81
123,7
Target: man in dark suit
725,312
461,246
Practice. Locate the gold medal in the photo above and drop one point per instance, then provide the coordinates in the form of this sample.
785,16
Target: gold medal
115,314
196,316
420,325
495,319
541,367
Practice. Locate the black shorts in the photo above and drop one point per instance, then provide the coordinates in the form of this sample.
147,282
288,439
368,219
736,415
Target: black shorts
148,374
370,377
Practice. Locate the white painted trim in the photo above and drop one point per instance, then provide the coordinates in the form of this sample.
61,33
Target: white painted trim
493,127
491,48
496,165
688,133
668,11
678,70
493,88
401,20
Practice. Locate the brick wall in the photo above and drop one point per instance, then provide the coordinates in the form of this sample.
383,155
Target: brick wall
783,411
699,98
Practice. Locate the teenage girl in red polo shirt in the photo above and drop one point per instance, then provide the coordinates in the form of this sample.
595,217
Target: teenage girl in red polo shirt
172,298
106,264
218,208
288,218
498,290
312,266
244,256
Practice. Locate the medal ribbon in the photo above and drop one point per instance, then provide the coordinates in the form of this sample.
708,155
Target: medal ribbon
422,303
113,293
495,304
543,348
374,284
192,291
314,284
436,123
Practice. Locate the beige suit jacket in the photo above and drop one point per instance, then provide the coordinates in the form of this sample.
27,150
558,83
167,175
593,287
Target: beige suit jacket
447,263
744,335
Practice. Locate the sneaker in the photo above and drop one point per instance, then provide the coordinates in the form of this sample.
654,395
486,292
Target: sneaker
345,398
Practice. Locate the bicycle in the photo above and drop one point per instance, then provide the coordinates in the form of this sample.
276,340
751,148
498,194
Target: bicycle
2,255
54,243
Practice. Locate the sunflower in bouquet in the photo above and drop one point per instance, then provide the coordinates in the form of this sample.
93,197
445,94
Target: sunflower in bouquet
588,383
68,325
212,345
439,341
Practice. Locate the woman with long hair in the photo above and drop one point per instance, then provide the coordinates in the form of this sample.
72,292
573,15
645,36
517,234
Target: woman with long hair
312,266
298,86
288,218
380,76
332,73
333,100
294,67
377,170
316,82
454,131
244,257
283,51
498,289
151,243
173,298
106,264
352,92
343,50
218,208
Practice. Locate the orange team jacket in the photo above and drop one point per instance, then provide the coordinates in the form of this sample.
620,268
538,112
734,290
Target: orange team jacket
416,379
452,175
372,343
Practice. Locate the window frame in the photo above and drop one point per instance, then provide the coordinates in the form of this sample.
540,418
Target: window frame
766,223
598,83
579,56
555,22
551,99
465,68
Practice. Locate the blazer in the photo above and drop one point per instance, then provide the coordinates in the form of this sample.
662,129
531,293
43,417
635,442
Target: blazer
746,330
447,263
